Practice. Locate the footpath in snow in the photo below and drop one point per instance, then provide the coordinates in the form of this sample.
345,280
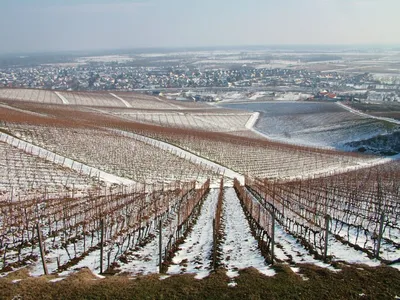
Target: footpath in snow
240,249
194,255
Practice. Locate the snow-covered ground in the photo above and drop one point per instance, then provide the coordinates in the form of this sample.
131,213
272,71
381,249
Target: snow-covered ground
346,253
63,161
357,112
145,260
240,249
195,253
185,154
324,125
289,249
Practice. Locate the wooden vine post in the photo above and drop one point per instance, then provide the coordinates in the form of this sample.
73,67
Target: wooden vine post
273,237
42,254
327,219
101,245
160,269
378,246
214,256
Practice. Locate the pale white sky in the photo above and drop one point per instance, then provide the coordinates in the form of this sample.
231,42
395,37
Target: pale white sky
51,25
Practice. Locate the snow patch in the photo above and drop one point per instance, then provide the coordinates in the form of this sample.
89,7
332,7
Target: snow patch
195,253
239,247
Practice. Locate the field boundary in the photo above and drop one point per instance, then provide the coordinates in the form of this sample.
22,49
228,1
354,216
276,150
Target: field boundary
360,113
183,154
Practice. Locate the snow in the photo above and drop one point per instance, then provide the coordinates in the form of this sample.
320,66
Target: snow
322,125
240,249
126,103
57,279
31,95
354,111
63,99
257,95
288,248
185,154
358,165
145,260
195,253
62,160
91,261
342,252
16,280
252,121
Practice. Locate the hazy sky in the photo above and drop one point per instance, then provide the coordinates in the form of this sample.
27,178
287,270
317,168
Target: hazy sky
48,25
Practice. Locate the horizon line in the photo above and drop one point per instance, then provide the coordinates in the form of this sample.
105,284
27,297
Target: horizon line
204,48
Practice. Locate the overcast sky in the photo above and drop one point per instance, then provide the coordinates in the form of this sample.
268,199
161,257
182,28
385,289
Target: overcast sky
52,25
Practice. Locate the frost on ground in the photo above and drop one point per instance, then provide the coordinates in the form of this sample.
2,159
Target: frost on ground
289,249
195,253
240,249
342,252
145,260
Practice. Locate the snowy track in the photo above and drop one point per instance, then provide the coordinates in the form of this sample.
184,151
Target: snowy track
239,248
195,253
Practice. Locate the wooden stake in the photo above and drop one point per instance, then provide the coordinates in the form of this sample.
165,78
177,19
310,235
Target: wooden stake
101,245
273,237
160,247
327,219
378,246
214,246
42,254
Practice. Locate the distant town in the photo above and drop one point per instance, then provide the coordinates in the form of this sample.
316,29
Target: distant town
199,76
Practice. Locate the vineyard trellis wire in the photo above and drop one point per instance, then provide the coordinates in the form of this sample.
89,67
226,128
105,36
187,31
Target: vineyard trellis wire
74,228
360,208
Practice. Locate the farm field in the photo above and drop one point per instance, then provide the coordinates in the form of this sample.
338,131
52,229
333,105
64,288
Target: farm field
137,191
30,95
25,175
382,109
223,121
119,155
260,158
315,124
95,99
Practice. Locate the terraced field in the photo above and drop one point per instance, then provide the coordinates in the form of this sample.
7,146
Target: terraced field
117,184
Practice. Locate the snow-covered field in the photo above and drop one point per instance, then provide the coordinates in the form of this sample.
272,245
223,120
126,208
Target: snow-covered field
30,95
264,159
240,249
71,223
212,121
194,255
314,124
119,155
23,174
350,204
90,99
